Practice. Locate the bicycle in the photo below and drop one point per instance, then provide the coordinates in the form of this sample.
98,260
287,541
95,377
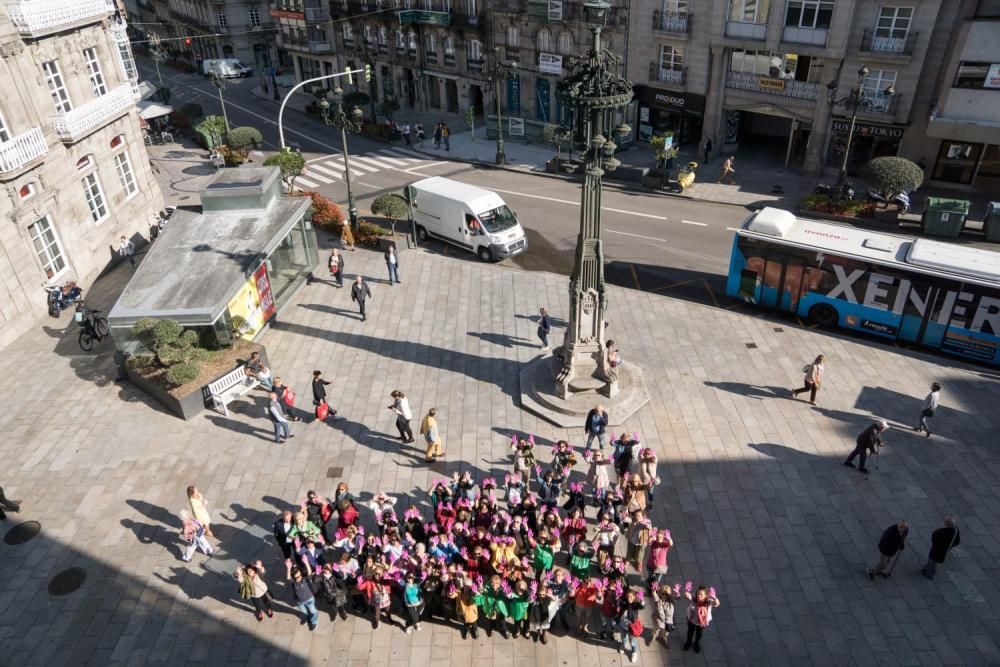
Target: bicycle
92,327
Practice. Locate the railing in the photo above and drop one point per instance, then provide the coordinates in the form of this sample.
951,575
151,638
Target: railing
22,149
744,30
319,47
672,21
878,103
317,14
79,122
38,17
893,45
383,48
810,36
803,90
675,77
474,64
449,59
432,57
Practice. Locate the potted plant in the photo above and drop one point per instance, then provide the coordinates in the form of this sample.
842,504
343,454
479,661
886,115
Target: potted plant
392,207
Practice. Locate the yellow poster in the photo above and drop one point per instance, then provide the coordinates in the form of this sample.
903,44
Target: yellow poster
246,304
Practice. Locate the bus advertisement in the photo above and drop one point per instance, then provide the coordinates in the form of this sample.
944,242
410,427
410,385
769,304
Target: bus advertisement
942,295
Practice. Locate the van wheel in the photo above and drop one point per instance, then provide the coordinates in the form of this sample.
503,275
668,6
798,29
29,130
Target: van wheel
422,233
485,254
824,315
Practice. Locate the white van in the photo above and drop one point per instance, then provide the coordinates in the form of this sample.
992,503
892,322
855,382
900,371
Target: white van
467,216
227,68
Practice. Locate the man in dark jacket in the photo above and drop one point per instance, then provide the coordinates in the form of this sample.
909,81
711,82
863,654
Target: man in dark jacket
544,327
359,293
303,595
867,442
942,540
596,422
319,392
892,542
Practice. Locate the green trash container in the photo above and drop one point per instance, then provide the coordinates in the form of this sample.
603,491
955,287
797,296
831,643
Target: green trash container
991,226
944,217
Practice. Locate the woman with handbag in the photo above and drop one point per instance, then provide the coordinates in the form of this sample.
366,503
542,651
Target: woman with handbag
813,378
254,588
629,624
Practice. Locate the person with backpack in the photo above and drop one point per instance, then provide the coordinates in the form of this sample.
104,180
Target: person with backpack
254,588
629,624
813,378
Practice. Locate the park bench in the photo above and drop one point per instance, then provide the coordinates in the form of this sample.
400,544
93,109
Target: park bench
231,386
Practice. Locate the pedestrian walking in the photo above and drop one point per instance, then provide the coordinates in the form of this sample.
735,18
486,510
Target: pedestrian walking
126,249
664,598
707,148
193,532
930,405
336,264
276,414
942,540
253,587
544,327
594,426
401,408
303,595
699,615
432,435
360,293
419,130
319,386
437,135
7,504
868,443
392,263
255,368
892,543
406,133
346,235
727,170
813,379
446,136
199,509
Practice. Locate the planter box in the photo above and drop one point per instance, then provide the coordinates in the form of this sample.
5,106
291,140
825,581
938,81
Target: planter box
628,174
399,239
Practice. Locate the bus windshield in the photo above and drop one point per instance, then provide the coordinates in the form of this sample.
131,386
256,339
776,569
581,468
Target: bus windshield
498,219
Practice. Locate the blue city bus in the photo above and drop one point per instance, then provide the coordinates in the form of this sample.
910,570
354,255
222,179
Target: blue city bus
942,295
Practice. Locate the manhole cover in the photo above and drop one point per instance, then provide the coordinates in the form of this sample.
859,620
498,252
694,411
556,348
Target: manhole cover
778,330
67,581
751,346
334,473
22,532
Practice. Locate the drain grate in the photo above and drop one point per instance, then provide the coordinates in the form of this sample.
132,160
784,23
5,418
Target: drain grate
67,581
751,346
334,472
22,532
779,330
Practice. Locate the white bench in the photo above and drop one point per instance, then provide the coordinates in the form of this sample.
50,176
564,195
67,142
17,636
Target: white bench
231,386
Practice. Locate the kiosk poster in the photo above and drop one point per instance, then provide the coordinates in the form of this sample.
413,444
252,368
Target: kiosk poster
254,303
264,291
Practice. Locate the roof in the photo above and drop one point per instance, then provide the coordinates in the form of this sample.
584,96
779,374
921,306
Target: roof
480,199
936,257
253,181
199,261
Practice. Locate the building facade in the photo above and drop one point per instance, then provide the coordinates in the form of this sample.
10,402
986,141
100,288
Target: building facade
72,161
759,74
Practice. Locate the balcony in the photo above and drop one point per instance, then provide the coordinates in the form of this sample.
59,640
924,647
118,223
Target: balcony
759,83
383,48
316,46
432,57
449,59
808,36
672,77
34,18
72,126
895,46
744,30
317,14
879,103
474,64
22,149
675,22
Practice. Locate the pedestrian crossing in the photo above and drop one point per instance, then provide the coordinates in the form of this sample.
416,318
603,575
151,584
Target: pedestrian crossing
331,170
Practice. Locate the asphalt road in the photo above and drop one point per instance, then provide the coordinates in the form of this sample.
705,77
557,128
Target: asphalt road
651,242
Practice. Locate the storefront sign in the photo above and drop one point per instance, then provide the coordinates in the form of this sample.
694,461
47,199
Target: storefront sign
869,130
992,76
672,101
555,10
254,303
767,83
515,127
549,63
285,14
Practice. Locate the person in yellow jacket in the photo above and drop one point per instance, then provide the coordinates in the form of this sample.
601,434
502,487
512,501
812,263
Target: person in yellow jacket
432,435
467,610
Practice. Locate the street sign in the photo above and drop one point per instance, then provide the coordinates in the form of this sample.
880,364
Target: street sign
424,16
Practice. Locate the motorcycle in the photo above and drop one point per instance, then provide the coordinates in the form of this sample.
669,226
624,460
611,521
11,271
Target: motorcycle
901,201
846,191
63,296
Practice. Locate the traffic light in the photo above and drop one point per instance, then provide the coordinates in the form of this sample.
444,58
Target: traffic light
368,72
187,41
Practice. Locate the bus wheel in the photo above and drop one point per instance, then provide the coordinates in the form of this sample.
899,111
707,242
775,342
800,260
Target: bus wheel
485,254
824,315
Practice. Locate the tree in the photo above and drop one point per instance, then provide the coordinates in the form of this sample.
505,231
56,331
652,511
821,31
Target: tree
557,135
213,127
244,139
325,214
389,107
172,348
892,175
291,163
391,206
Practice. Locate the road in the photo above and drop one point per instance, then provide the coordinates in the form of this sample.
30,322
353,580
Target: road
651,242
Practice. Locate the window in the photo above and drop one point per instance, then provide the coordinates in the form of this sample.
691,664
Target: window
449,45
4,134
956,161
544,40
814,14
430,43
565,43
47,247
400,40
221,18
749,11
411,40
513,37
474,49
893,22
426,4
95,197
470,7
383,35
878,80
254,17
85,163
56,87
675,6
94,70
27,191
369,34
978,75
125,175
118,141
671,58
348,33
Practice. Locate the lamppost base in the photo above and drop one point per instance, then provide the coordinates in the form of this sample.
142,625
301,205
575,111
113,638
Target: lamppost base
501,158
352,215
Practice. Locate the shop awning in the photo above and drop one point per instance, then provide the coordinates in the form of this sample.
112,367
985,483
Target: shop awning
149,109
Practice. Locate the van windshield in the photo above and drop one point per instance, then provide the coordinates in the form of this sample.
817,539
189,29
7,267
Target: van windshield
498,219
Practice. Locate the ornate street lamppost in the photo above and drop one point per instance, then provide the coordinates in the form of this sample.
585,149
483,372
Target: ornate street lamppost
501,71
220,84
335,116
856,100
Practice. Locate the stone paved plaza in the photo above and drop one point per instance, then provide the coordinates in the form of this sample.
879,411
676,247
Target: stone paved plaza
753,487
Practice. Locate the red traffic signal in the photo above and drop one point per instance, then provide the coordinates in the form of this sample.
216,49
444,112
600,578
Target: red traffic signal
187,41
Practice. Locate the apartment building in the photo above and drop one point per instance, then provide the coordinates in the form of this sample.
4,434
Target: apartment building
72,160
760,74
960,131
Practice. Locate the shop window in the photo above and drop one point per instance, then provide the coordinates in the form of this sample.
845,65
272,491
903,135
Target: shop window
990,165
27,191
956,161
47,247
813,14
978,75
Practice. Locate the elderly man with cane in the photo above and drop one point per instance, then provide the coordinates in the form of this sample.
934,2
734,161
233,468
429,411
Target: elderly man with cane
892,543
868,442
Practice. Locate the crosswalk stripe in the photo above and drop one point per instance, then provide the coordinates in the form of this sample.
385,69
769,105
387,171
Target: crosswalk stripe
362,168
388,157
305,182
403,152
323,170
365,161
320,177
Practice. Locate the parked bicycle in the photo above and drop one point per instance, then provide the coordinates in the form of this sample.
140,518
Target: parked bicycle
92,327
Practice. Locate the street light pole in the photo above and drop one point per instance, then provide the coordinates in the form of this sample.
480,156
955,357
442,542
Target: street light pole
337,117
856,100
500,69
221,85
288,95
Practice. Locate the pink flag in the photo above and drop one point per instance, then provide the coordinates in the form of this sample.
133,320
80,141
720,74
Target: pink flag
635,436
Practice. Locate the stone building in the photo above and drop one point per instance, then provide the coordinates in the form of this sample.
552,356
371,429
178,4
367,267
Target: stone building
72,161
757,74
